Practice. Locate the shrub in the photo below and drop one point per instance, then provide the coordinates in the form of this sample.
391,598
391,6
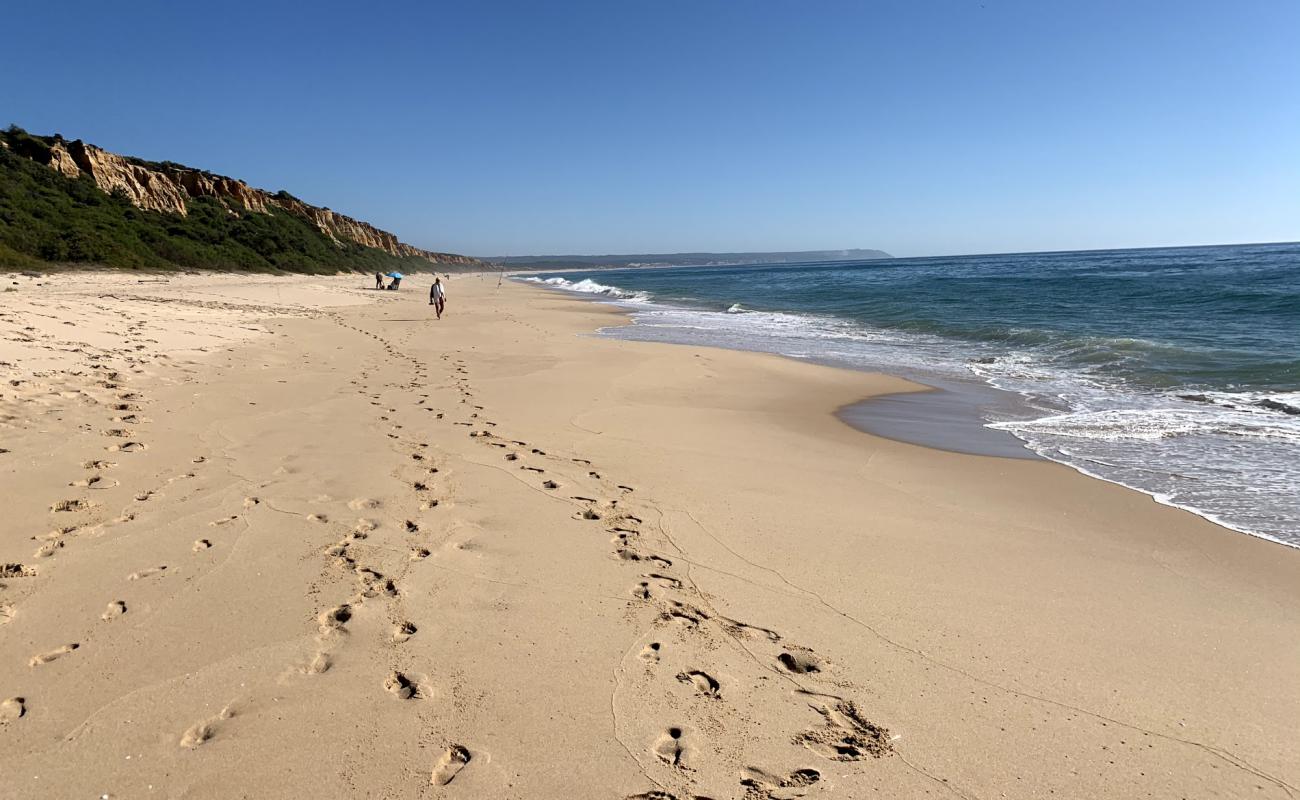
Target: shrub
47,216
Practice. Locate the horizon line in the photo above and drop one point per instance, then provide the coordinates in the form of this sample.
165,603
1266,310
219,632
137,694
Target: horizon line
905,258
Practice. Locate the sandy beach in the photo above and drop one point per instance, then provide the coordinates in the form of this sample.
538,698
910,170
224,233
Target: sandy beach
292,537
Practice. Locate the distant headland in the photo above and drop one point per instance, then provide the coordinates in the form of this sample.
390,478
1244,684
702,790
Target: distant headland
686,259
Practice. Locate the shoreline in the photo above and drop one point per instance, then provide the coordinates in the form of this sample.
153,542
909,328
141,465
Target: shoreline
919,411
467,539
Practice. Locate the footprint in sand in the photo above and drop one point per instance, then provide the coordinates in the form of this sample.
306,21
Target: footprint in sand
403,631
665,581
671,749
12,709
319,664
681,612
200,732
126,447
249,502
419,553
69,505
550,485
361,503
651,652
449,765
401,686
318,517
48,549
115,609
52,655
704,683
743,630
800,663
627,554
146,573
7,613
846,735
13,570
335,618
201,544
766,785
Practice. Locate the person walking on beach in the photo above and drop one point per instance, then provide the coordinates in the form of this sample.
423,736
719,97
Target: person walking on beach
437,296
379,280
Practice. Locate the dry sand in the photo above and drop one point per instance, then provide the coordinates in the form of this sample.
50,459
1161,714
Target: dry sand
272,537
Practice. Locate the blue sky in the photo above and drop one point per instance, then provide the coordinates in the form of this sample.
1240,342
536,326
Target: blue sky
497,128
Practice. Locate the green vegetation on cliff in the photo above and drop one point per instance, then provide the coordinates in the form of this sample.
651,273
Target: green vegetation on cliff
48,218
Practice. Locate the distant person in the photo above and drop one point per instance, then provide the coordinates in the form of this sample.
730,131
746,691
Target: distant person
437,296
379,280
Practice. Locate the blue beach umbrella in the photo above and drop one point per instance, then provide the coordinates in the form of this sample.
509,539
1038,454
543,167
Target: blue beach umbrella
396,275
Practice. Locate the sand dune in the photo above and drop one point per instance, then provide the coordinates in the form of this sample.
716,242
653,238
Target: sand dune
289,537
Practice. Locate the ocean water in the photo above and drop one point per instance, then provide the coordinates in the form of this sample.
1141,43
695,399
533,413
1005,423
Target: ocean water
1174,371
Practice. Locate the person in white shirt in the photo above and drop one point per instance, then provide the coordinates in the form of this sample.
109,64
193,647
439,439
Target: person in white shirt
437,296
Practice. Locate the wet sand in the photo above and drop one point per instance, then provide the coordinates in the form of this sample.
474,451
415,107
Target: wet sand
290,537
946,416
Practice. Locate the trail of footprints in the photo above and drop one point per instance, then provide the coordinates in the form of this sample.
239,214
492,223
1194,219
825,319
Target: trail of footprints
371,585
842,732
84,514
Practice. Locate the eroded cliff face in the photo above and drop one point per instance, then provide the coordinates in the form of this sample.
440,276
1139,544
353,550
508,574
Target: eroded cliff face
166,187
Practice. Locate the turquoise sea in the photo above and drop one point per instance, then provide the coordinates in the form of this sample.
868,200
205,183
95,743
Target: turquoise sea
1175,371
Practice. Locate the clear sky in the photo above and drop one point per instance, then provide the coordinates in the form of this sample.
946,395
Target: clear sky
498,128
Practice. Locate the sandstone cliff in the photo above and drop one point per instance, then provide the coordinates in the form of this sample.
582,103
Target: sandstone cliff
165,187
